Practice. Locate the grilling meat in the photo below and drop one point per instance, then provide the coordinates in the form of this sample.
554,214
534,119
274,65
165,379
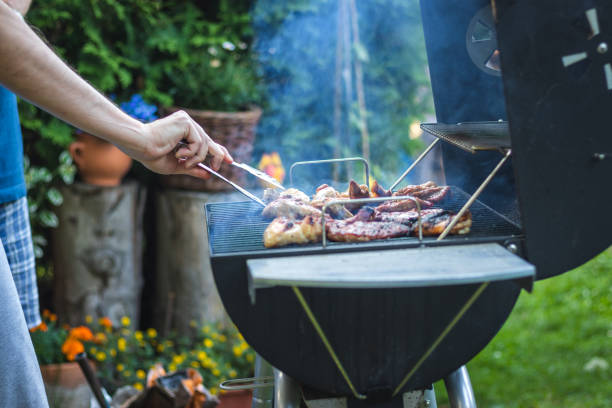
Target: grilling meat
362,228
402,205
291,203
378,191
285,231
434,221
427,191
325,194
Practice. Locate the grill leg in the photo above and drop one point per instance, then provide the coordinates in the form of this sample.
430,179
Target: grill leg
286,391
459,389
263,397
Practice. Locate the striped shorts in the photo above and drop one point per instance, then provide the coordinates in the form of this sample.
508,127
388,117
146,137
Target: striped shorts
16,238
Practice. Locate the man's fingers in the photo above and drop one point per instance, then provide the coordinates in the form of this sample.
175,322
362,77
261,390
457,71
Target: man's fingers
202,151
228,157
198,172
183,153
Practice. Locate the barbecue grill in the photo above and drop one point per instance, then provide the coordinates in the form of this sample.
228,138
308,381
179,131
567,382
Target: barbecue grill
379,322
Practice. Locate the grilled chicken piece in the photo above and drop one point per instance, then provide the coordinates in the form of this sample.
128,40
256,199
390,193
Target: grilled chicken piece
288,208
326,194
285,231
436,224
291,203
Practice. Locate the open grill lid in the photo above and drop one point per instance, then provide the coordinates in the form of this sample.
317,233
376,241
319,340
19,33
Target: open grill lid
557,74
556,60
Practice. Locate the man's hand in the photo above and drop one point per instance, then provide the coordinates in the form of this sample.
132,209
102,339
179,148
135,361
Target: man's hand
162,156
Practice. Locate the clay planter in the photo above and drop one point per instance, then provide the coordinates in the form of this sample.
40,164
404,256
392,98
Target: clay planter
235,399
66,375
100,163
235,131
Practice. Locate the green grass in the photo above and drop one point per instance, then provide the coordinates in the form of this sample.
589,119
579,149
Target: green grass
540,356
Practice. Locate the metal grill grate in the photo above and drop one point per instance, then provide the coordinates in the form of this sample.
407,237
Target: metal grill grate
238,226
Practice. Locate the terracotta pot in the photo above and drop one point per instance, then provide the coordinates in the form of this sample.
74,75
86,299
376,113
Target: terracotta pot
67,375
100,163
235,399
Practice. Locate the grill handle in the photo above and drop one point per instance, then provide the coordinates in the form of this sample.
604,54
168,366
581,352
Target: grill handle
305,163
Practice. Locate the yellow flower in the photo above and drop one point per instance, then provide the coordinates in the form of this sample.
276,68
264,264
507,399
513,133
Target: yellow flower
213,390
138,386
113,352
250,358
206,329
152,333
222,338
141,374
120,367
88,319
208,343
202,355
233,373
214,336
237,351
160,347
100,337
93,350
121,344
216,372
138,335
101,356
125,321
172,367
195,364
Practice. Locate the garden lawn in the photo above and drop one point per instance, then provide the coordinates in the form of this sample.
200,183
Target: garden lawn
555,350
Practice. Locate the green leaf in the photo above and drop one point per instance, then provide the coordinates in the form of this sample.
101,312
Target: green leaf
55,197
48,219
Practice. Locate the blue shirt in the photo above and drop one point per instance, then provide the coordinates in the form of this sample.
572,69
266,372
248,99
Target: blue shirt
12,181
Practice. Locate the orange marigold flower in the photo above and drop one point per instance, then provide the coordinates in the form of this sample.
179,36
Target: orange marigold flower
106,322
41,327
52,317
46,313
72,347
81,333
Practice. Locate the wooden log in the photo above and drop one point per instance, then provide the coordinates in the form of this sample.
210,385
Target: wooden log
185,288
97,252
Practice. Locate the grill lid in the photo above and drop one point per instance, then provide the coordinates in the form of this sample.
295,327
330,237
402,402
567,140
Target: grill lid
557,73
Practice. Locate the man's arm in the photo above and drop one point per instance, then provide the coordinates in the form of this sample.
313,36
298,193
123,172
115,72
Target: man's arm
30,69
22,6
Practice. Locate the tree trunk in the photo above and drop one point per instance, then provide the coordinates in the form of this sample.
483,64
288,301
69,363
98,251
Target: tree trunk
185,288
97,252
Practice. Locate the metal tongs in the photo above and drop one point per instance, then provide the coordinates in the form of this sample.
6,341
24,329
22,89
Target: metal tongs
257,173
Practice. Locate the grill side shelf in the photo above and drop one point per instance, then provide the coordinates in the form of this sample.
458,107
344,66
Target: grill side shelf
415,267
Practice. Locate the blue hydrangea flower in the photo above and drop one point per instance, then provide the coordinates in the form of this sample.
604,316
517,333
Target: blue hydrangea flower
139,109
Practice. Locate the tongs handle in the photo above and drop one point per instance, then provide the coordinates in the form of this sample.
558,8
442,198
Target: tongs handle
236,186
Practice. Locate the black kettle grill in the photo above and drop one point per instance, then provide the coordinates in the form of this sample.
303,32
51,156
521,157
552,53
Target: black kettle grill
522,90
